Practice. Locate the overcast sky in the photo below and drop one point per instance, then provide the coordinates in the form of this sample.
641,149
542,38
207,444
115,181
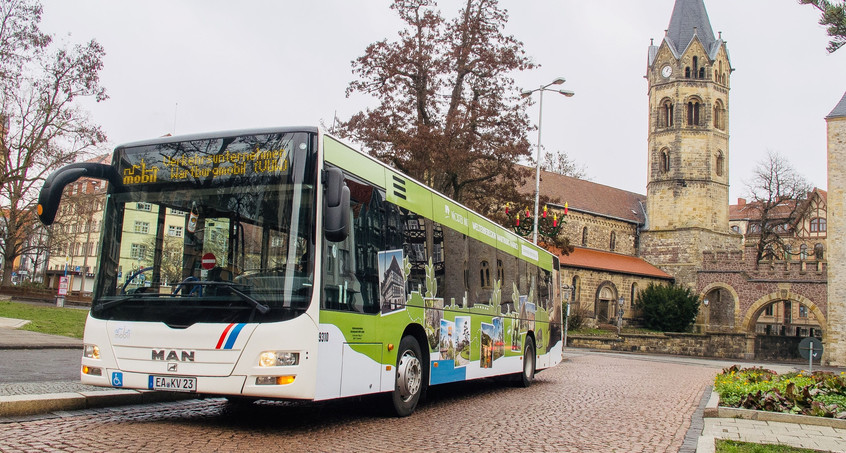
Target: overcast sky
175,66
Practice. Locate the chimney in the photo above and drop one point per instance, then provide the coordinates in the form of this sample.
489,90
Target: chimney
741,202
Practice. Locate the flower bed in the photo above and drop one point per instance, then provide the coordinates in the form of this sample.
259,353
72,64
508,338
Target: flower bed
821,394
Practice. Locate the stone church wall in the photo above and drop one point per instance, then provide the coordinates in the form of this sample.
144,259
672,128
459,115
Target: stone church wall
590,283
599,231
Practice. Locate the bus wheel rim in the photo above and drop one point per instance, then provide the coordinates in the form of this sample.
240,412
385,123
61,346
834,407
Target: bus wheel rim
409,375
527,363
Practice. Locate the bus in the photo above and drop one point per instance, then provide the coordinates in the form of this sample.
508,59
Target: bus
285,264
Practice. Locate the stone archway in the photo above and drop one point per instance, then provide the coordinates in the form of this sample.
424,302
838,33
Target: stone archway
750,318
606,296
722,313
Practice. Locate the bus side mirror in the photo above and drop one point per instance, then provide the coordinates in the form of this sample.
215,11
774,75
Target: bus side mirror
336,205
51,191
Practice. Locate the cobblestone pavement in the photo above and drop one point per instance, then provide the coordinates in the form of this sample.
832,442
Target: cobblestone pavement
591,403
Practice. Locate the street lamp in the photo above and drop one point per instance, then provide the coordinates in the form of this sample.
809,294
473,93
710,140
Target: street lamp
707,314
525,94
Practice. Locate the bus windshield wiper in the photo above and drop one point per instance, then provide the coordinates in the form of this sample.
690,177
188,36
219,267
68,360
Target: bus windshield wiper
233,288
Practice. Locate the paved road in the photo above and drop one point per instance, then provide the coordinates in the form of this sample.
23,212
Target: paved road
592,403
39,365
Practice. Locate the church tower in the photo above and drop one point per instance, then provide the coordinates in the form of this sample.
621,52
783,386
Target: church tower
689,75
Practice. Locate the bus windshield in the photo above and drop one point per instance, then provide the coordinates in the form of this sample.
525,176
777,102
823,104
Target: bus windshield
212,230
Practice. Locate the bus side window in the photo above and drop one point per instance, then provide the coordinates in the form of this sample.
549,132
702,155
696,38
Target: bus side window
350,272
482,263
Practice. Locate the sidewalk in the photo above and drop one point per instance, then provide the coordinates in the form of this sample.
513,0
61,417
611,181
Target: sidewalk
26,399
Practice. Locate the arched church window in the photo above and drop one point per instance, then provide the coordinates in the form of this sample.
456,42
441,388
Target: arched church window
576,289
720,163
485,274
665,116
613,243
584,236
719,115
693,113
633,295
665,161
701,73
687,72
500,271
695,66
803,252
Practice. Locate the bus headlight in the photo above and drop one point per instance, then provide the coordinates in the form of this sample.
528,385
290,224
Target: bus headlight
91,351
278,358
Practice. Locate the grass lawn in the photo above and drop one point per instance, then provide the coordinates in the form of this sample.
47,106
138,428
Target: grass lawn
68,322
730,446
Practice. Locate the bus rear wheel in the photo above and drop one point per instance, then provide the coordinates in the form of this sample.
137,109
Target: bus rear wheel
409,384
528,374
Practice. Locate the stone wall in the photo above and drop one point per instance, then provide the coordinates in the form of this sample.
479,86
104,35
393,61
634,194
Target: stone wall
754,285
586,295
771,347
678,252
835,352
599,231
722,345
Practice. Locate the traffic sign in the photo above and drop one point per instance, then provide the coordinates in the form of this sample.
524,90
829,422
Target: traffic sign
63,286
209,261
809,347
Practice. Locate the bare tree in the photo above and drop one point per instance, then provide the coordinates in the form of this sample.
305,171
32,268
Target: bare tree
42,128
833,18
561,163
449,113
776,192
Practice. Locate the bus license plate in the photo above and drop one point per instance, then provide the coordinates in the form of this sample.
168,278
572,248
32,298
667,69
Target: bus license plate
173,383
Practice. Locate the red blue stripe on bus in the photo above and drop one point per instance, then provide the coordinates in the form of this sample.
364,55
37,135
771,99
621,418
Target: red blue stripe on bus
229,335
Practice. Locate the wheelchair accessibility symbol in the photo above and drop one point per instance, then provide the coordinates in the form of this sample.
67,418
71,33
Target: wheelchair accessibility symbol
117,379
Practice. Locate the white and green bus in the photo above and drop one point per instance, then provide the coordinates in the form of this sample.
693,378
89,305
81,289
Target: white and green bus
283,264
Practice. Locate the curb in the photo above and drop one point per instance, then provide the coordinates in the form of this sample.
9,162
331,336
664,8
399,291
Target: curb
22,405
713,410
41,346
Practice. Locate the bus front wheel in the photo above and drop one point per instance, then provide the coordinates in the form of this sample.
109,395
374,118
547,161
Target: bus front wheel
409,384
528,374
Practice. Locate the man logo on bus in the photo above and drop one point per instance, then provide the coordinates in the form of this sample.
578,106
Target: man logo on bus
185,356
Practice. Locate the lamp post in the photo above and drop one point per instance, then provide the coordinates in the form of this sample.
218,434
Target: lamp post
525,94
707,314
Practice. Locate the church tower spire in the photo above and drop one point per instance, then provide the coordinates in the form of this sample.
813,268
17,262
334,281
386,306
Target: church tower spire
687,190
690,19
